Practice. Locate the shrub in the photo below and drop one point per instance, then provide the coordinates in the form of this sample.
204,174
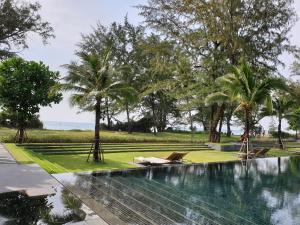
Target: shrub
283,134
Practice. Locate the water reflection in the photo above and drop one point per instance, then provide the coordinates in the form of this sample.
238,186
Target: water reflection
18,209
263,191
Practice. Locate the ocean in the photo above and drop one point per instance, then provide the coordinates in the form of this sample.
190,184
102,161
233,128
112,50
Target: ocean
58,125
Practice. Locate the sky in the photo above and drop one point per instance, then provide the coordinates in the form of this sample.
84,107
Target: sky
70,19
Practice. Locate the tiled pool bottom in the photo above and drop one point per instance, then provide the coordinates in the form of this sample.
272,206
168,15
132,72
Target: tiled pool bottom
262,192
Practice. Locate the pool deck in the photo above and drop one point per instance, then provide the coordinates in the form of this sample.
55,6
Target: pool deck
28,178
32,180
5,156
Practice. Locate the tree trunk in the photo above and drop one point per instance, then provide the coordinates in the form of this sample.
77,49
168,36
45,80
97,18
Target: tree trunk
107,115
280,133
228,133
96,155
216,114
228,124
212,131
203,119
128,119
220,128
205,126
247,127
164,124
153,115
21,133
191,120
160,119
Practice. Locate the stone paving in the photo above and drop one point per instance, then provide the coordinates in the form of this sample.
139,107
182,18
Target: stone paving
28,178
5,156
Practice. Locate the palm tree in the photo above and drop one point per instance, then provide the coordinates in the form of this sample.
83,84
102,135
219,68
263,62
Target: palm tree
282,105
92,81
247,89
294,120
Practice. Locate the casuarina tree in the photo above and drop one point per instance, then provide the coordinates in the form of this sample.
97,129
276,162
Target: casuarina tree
220,32
17,20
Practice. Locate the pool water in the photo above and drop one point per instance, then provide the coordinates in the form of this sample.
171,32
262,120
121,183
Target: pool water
262,192
63,207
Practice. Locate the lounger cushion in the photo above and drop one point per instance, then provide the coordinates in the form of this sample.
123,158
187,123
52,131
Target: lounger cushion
152,160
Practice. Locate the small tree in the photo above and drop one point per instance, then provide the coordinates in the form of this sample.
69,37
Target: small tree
25,86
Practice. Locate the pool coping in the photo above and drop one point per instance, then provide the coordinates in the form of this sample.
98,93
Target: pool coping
167,165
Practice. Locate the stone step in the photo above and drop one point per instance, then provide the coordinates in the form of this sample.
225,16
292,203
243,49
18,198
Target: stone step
119,148
66,152
42,145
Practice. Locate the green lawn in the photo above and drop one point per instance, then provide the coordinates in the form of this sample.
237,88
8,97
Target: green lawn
77,163
138,144
78,136
281,153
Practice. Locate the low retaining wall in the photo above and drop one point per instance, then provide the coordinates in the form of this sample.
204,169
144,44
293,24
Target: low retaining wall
225,147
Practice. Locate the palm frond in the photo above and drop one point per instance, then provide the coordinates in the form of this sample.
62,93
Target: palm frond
269,103
217,97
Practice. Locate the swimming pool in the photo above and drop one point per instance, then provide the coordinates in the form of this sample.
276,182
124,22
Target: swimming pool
262,191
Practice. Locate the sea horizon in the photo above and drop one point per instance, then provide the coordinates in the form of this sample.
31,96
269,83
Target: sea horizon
62,125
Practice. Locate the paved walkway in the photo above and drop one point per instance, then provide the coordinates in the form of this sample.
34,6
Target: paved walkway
5,156
32,180
29,178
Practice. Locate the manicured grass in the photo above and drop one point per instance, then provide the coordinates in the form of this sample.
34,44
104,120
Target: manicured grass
77,163
23,157
36,152
60,136
281,153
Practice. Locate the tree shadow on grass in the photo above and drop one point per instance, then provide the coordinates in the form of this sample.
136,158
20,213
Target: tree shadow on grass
77,163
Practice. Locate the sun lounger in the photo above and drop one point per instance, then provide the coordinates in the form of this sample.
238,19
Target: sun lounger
174,157
151,160
244,155
261,152
254,153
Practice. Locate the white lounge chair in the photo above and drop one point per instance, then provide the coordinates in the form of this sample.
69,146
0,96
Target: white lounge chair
175,157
